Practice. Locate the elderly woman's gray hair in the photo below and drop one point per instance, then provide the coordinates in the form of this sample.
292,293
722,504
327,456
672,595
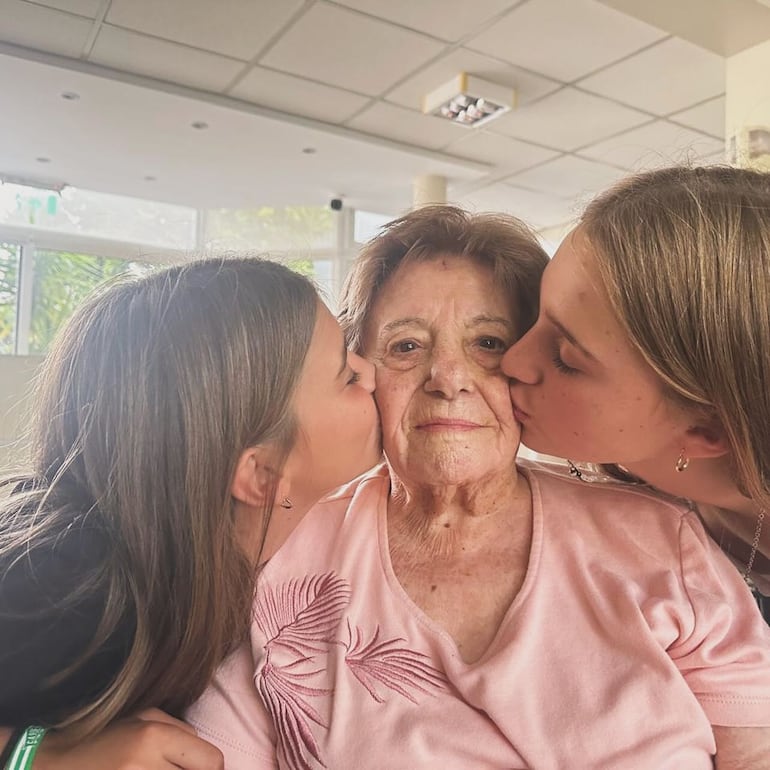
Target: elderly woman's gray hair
502,242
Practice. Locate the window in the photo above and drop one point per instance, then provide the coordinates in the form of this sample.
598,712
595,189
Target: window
61,280
300,230
368,224
9,283
99,215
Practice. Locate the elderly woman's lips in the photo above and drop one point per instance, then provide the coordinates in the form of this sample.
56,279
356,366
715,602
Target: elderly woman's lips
447,424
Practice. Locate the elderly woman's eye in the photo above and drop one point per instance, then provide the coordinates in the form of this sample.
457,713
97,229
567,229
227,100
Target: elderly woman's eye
493,344
403,346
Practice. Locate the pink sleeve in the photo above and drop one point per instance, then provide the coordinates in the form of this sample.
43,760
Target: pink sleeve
723,646
230,715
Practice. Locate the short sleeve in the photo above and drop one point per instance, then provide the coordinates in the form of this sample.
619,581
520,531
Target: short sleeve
230,715
723,649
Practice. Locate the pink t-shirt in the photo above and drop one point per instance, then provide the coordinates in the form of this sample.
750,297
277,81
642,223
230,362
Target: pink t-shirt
630,635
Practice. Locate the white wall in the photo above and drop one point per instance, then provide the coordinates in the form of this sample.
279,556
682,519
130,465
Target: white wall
16,378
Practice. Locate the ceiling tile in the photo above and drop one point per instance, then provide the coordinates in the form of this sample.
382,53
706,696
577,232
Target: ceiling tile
500,151
708,116
446,19
161,59
536,209
118,132
528,86
568,177
235,28
657,144
567,119
42,28
665,78
564,39
80,7
297,96
408,126
723,26
343,48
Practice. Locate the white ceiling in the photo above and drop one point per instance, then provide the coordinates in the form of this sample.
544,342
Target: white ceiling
600,92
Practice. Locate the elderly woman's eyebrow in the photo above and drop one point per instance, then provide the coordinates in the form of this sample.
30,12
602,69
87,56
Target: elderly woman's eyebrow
398,323
486,319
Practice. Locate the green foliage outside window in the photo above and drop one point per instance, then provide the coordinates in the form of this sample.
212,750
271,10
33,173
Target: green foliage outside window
269,230
62,281
9,279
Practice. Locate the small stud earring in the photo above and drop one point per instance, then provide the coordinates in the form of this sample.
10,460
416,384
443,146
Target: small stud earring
682,462
286,503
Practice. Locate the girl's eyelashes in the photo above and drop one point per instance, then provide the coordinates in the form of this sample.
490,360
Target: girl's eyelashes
558,362
354,377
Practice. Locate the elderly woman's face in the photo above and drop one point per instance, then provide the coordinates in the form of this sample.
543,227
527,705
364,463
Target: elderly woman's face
436,335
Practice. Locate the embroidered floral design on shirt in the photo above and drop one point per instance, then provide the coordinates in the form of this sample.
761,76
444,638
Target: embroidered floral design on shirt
396,667
300,621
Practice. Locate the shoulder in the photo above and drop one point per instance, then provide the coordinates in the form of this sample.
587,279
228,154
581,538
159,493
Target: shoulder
353,500
45,562
52,597
373,480
332,525
630,521
601,494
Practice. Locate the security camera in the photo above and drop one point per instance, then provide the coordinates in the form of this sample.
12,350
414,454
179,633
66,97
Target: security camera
335,204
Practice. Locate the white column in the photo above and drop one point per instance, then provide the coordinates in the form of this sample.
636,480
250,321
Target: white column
747,107
428,188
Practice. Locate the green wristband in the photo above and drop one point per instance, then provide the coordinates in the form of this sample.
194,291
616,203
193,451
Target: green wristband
24,753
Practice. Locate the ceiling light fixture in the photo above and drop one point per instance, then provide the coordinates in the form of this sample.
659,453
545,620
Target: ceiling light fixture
469,100
200,125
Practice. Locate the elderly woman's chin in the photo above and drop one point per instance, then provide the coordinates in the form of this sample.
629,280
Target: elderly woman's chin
451,461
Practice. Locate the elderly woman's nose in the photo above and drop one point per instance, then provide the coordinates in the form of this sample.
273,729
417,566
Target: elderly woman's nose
450,372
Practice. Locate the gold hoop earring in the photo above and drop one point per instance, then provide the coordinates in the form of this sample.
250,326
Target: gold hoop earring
286,503
682,462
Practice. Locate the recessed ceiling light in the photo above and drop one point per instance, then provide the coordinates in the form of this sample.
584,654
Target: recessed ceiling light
150,178
469,101
199,125
70,96
42,159
309,150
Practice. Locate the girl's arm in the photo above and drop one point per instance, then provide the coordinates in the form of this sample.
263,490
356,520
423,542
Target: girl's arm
150,741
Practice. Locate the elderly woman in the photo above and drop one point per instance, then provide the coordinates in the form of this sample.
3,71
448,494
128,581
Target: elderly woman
450,609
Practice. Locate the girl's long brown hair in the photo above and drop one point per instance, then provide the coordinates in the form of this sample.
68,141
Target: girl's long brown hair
684,254
147,399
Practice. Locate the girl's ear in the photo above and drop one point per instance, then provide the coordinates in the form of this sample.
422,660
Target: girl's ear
254,482
706,439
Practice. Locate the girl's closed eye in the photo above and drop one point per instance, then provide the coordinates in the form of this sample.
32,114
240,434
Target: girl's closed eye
560,364
354,377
